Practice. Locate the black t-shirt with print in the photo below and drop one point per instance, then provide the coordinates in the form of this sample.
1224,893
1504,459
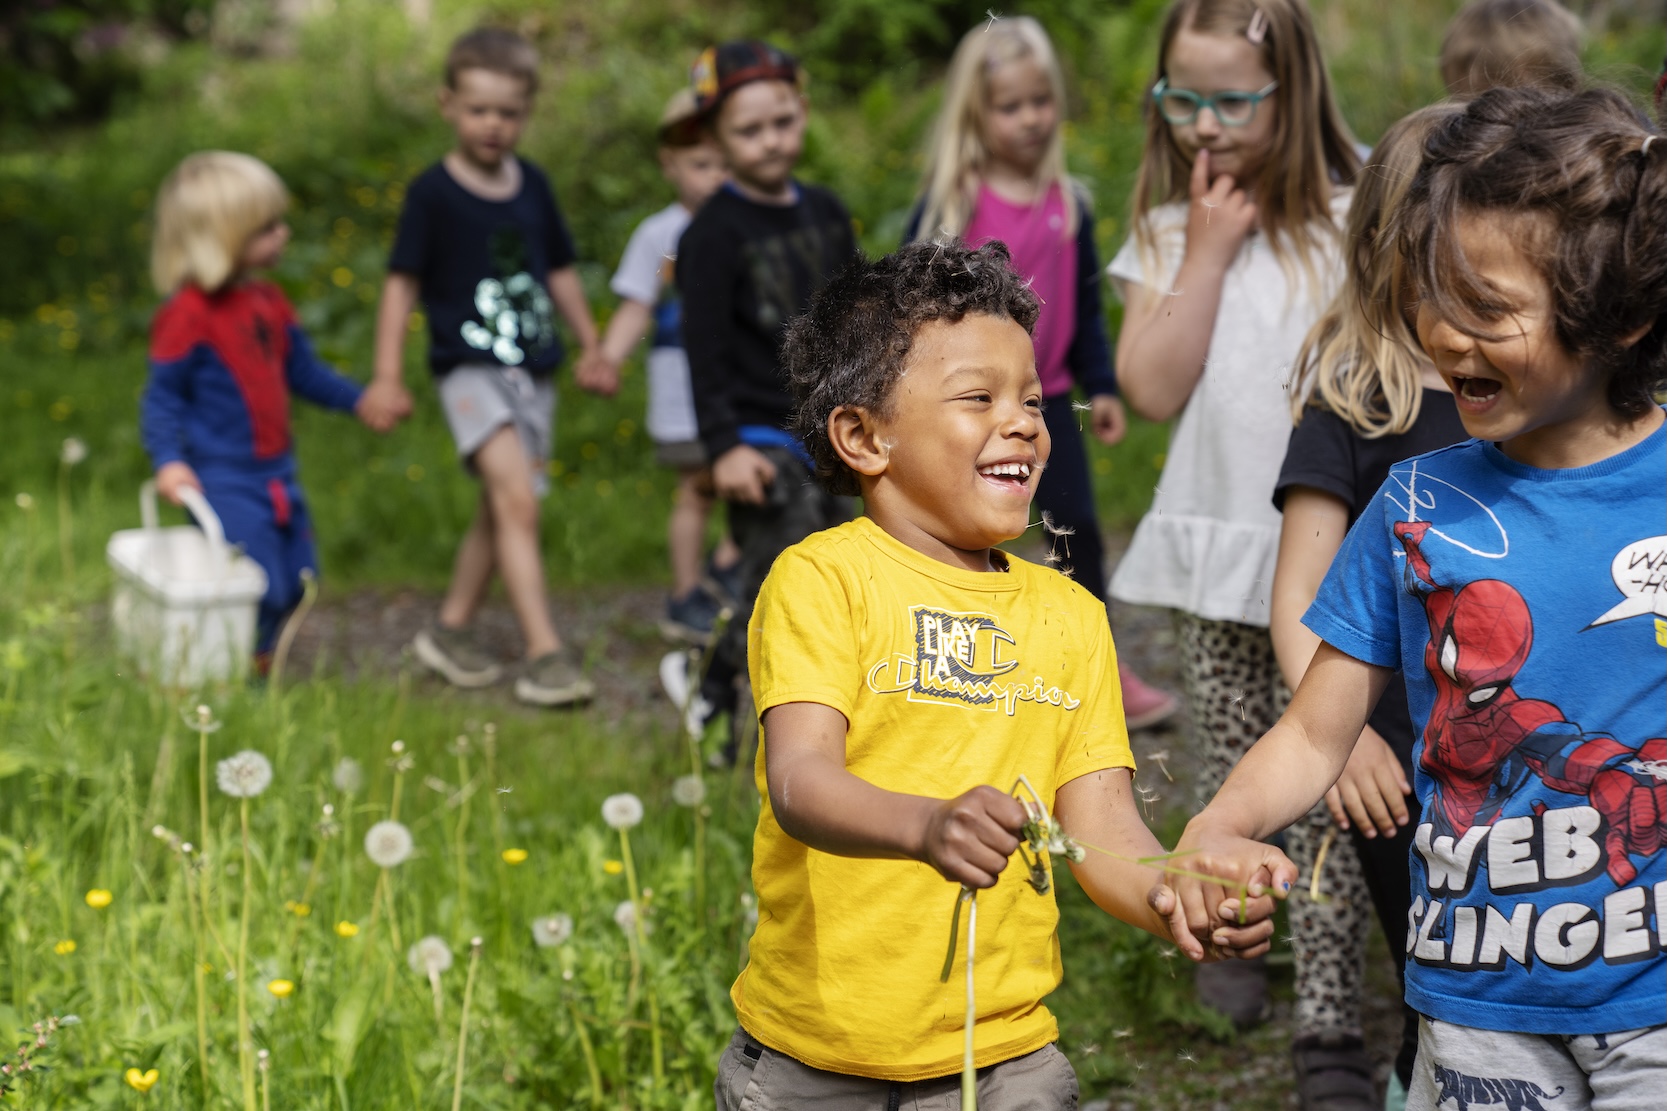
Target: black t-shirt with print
1327,455
483,268
744,270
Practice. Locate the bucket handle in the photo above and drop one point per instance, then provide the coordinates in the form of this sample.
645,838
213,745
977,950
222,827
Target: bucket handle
193,500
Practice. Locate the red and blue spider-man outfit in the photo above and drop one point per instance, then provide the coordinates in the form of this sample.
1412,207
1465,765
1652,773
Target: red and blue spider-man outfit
222,368
1483,740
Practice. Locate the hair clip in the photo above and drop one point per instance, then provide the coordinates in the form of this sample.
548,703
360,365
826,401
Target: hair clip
1258,29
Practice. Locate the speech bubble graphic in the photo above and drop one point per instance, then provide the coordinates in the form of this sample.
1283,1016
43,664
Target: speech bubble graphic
1640,573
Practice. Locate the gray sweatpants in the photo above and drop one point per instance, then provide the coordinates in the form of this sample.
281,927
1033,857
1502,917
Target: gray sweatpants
754,1078
1461,1067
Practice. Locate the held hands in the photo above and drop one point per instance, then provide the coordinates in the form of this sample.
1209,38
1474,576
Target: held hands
171,478
596,372
1229,939
1219,216
744,474
1210,907
383,405
1107,418
1372,790
969,838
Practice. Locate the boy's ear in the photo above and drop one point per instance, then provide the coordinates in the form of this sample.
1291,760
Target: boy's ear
856,439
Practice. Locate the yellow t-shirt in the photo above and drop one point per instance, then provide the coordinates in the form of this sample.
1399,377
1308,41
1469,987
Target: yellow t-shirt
948,679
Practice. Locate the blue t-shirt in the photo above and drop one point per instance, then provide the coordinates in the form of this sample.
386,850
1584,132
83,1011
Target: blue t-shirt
1525,608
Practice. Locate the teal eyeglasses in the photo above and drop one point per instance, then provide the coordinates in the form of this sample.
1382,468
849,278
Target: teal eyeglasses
1234,109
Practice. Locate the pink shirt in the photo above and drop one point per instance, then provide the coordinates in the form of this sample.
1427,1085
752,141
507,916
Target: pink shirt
1044,251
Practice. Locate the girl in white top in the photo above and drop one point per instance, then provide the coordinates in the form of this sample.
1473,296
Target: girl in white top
1242,186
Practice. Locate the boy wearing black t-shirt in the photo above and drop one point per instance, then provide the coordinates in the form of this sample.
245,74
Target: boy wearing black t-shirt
483,245
749,263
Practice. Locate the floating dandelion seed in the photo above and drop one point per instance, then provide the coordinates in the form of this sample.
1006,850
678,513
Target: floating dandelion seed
689,790
348,776
1186,1055
388,844
625,916
1125,1032
505,790
552,930
141,1081
243,775
623,811
1056,530
1235,697
98,898
283,989
429,957
1082,406
993,17
515,856
401,761
1161,759
73,452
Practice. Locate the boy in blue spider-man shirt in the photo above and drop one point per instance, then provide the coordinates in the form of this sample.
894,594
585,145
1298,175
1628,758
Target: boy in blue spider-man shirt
226,353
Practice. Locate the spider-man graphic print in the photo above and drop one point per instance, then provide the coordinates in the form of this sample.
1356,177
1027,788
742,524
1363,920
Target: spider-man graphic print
1525,609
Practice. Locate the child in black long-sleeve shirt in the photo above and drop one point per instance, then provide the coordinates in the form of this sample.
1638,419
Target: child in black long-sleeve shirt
749,263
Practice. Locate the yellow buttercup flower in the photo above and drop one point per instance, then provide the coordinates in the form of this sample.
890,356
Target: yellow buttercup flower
98,898
300,910
613,867
345,928
515,856
283,989
65,947
142,1081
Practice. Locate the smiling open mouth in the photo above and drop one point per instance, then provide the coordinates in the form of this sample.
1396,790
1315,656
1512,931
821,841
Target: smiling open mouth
1013,475
1475,389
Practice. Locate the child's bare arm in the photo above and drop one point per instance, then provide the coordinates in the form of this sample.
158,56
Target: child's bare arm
1276,782
626,329
386,400
569,297
1098,809
1166,333
817,801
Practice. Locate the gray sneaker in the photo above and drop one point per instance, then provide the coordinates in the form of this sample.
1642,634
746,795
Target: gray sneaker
454,654
554,679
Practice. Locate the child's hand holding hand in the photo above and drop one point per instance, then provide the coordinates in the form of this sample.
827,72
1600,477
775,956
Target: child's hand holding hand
383,405
597,373
969,838
1230,937
171,478
1109,420
1219,217
1210,906
744,474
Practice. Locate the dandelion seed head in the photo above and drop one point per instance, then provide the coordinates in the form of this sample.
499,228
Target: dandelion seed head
243,775
625,916
348,776
429,957
388,844
622,811
73,452
25,502
552,930
689,790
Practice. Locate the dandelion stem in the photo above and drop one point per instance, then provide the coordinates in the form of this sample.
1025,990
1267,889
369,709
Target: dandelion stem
439,1002
193,909
66,526
463,1024
589,1051
969,1074
245,1039
1314,892
460,834
280,655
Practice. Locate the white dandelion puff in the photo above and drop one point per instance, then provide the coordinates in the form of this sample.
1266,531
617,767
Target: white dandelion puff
622,811
552,930
689,790
244,775
388,844
348,776
625,916
429,957
25,502
73,452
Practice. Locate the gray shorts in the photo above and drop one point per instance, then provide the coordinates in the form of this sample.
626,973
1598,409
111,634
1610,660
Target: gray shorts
682,455
480,398
1460,1067
753,1077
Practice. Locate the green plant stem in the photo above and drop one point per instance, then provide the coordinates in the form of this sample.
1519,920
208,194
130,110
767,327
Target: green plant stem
589,1052
66,527
245,1037
197,930
969,1074
280,655
460,835
463,1026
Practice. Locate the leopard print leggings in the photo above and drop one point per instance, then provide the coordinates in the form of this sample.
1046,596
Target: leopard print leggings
1234,694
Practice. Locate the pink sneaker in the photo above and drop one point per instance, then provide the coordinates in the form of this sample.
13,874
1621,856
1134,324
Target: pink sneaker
1144,705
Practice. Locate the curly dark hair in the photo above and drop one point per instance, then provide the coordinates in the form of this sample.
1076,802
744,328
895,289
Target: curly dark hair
1589,171
849,346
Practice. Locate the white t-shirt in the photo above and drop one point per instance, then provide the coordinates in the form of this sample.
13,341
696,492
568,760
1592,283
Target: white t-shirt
1208,544
645,275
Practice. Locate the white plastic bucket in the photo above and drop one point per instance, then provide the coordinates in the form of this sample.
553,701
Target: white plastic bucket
184,603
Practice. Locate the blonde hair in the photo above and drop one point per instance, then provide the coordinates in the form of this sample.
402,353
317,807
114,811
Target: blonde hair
206,212
1493,43
957,154
1361,360
1311,150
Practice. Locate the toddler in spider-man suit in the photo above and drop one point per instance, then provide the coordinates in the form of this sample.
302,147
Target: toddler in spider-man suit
226,352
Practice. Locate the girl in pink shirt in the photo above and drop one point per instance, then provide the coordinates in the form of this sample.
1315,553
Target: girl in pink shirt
996,171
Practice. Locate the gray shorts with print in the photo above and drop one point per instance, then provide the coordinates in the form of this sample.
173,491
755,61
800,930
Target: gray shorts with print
1461,1067
480,398
754,1078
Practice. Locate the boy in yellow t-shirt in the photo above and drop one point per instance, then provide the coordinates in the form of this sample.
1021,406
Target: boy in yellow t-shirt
907,672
